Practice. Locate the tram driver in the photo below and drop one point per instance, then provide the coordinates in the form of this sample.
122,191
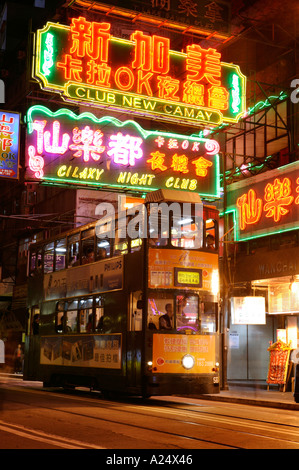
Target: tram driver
166,320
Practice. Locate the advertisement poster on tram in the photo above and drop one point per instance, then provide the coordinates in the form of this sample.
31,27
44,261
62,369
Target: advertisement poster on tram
168,350
171,268
89,351
92,278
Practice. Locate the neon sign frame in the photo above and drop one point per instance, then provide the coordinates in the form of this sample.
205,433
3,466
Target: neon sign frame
158,82
9,144
105,153
265,204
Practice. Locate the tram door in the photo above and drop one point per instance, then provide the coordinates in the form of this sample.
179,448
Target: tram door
134,341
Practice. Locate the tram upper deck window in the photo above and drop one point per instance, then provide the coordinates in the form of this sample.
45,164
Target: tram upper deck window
73,246
60,254
121,245
158,227
49,258
103,249
186,232
87,246
35,264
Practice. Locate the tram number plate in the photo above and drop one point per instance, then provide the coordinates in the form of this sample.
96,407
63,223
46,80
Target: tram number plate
187,277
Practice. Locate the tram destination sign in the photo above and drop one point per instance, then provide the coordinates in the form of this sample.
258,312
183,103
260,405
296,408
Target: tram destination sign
143,76
64,148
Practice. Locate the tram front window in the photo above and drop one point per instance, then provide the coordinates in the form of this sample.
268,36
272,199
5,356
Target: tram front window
167,312
187,312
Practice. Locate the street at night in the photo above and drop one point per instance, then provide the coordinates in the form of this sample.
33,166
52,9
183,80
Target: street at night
35,418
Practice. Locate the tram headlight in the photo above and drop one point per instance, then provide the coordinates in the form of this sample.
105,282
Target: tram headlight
188,361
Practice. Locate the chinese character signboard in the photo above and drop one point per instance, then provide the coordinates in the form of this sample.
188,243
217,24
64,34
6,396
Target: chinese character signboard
107,153
143,76
267,203
9,144
278,363
199,16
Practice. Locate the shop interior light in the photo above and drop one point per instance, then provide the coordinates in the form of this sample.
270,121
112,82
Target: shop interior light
294,286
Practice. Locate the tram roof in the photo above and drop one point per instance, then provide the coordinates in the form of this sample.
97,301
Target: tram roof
171,195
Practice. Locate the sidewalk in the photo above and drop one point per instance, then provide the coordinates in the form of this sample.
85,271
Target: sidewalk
255,394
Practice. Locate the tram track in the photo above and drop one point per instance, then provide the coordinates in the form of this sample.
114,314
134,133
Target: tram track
181,415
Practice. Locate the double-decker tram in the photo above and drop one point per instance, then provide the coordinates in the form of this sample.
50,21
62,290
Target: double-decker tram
129,303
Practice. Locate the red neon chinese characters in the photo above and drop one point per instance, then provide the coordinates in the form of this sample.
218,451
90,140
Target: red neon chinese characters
168,87
194,93
90,39
72,68
180,163
250,209
297,191
151,53
202,63
218,97
157,161
201,166
278,195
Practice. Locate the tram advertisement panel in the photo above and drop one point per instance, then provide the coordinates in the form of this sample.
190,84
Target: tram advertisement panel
92,278
181,268
169,350
82,351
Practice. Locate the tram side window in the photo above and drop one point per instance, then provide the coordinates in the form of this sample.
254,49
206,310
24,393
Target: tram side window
33,328
158,228
186,232
66,321
60,254
86,315
120,246
99,315
87,246
49,258
208,317
102,249
211,234
73,250
35,265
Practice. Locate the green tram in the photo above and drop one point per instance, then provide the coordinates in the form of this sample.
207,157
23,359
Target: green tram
97,302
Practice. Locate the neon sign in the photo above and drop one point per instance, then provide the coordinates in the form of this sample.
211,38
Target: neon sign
85,63
9,144
266,204
63,147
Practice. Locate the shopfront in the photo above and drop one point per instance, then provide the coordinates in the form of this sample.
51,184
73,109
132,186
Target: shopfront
266,265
